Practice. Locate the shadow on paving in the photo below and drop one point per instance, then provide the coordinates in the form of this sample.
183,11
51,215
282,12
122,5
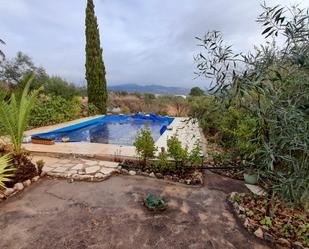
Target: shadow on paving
78,215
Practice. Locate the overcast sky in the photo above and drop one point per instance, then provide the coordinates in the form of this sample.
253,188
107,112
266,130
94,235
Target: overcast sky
144,41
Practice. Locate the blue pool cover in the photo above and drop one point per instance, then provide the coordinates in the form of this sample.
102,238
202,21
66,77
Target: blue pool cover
120,129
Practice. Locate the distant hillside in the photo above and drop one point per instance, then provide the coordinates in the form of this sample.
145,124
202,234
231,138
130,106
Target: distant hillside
155,89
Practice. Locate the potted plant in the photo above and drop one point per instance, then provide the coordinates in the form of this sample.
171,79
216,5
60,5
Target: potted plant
42,140
155,203
250,176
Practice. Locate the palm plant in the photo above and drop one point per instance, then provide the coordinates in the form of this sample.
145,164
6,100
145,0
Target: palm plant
5,170
14,114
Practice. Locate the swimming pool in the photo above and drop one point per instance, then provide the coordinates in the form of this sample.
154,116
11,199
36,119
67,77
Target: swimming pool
119,129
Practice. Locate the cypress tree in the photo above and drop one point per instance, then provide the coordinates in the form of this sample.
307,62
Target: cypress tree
95,69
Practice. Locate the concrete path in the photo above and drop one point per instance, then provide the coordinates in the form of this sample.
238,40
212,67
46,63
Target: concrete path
109,214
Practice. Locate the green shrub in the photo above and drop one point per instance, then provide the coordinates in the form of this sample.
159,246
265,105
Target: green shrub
92,110
57,86
176,151
163,165
154,202
196,156
54,109
145,145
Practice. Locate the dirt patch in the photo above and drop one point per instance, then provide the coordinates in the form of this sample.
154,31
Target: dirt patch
110,214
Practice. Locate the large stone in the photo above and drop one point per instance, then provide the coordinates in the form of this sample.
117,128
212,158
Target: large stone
106,171
152,174
259,233
283,243
27,183
9,191
132,172
90,163
60,169
35,179
18,186
108,164
159,175
47,169
78,167
99,175
91,170
298,245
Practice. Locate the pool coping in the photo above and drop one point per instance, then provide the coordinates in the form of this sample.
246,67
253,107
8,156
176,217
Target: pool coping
110,152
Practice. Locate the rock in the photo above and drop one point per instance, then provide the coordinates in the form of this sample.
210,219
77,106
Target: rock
283,243
124,171
188,181
241,209
70,180
159,175
246,223
90,163
132,172
92,169
298,245
35,179
182,181
18,186
78,167
168,178
144,174
119,167
259,233
268,237
107,171
99,175
9,191
152,174
236,207
60,169
27,183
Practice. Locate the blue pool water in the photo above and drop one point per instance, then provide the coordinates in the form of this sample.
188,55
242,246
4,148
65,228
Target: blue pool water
119,129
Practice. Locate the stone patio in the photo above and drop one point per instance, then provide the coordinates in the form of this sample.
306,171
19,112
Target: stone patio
78,168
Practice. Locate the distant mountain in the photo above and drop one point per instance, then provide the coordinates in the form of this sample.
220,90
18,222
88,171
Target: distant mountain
155,89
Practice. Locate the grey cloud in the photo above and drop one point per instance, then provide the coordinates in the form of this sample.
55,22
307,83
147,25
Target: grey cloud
144,42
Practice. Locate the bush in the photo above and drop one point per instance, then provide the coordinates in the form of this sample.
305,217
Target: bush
57,86
54,109
177,152
145,145
196,156
163,165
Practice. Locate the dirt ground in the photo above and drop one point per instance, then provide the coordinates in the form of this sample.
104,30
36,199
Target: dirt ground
60,215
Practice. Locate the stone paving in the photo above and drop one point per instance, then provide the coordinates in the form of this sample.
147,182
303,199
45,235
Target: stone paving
78,168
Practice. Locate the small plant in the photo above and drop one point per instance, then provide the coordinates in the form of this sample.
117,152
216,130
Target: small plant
303,232
195,157
40,164
287,230
155,203
163,165
176,151
5,171
266,222
145,145
249,213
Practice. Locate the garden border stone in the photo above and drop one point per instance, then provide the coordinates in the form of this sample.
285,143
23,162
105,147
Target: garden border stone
279,243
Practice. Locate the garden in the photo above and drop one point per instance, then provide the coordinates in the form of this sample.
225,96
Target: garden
256,121
255,117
